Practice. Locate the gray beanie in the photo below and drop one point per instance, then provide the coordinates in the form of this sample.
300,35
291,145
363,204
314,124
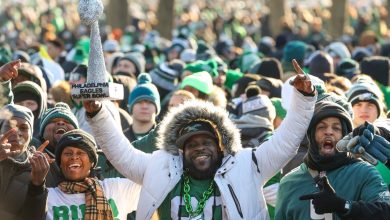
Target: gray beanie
22,112
365,90
259,105
137,59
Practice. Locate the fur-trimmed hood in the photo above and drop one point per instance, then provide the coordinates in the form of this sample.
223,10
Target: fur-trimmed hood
180,116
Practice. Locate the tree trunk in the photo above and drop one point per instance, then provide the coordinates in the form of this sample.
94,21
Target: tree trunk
278,12
118,14
165,16
388,13
339,18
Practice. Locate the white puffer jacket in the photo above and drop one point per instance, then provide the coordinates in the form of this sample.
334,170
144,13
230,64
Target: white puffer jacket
238,179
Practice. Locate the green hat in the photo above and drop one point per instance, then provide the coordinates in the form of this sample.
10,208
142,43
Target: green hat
231,77
280,111
80,56
145,90
201,81
294,50
60,110
84,43
247,61
210,66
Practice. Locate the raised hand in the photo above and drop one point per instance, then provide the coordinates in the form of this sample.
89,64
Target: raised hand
302,81
92,107
9,70
325,201
5,147
42,149
39,165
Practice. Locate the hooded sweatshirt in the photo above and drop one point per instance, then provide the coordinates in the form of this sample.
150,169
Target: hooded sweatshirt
351,179
313,159
30,90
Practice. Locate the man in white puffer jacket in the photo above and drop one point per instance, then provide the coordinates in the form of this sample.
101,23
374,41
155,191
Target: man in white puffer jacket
201,170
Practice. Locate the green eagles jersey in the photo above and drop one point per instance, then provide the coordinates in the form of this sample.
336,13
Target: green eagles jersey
357,182
170,207
385,173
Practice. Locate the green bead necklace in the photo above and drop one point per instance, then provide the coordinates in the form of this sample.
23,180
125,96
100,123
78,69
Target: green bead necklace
202,202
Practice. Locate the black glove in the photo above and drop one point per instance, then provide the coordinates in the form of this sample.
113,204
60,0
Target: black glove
325,201
358,131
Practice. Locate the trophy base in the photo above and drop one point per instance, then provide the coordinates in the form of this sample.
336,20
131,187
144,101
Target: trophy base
97,91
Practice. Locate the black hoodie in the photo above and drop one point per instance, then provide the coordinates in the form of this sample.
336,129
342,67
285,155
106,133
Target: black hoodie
313,159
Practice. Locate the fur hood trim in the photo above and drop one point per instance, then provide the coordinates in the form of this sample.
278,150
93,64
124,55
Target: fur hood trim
182,115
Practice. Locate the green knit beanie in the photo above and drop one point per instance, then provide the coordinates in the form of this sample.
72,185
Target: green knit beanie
294,50
145,90
201,81
60,110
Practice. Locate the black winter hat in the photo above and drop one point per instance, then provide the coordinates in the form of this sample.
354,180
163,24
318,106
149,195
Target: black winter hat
242,83
325,109
348,68
378,68
270,67
80,139
320,63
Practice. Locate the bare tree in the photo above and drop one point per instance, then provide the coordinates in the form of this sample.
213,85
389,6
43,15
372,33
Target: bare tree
339,18
165,16
388,13
118,14
278,11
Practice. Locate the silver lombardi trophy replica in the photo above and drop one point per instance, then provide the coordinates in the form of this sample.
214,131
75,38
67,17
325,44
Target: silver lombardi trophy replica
96,87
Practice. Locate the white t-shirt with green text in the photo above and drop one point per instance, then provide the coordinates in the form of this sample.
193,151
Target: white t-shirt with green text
122,195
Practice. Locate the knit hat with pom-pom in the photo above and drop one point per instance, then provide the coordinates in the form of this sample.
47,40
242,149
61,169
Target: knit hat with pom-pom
60,110
144,90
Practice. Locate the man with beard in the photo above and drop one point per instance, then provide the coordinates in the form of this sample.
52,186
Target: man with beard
201,170
55,122
353,179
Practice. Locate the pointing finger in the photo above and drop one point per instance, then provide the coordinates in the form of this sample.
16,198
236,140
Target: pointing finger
6,135
298,68
308,196
43,146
